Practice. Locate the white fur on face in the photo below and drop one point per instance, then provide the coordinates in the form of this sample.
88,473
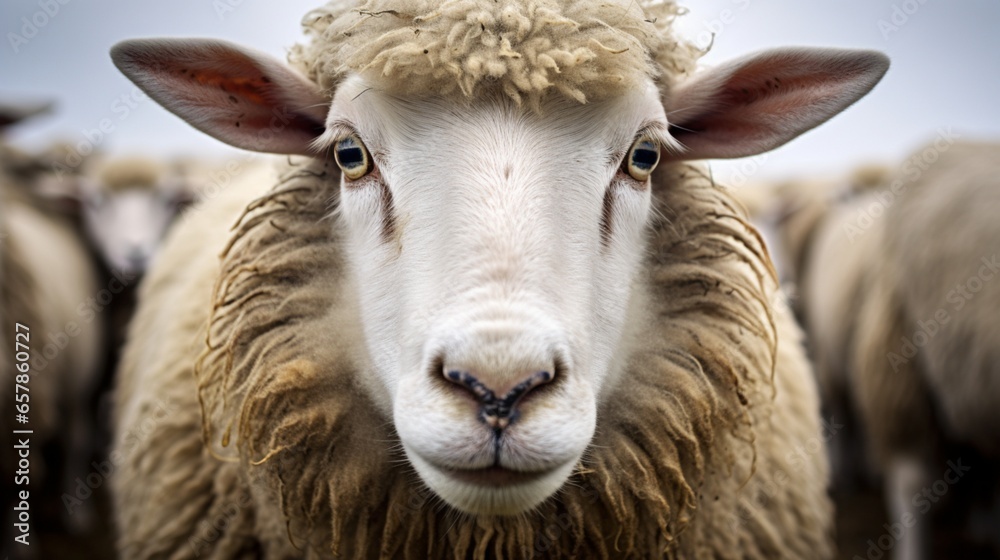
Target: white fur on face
128,225
476,245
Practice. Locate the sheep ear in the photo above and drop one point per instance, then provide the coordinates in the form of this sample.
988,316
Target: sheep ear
64,195
757,103
14,113
239,96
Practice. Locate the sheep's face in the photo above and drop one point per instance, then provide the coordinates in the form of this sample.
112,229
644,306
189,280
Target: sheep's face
494,251
493,248
127,225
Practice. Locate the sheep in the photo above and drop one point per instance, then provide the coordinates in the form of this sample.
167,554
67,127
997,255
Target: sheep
12,113
515,351
124,206
915,398
801,219
895,339
786,212
46,280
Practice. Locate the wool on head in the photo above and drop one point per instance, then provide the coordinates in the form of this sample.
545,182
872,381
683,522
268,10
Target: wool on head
527,49
129,173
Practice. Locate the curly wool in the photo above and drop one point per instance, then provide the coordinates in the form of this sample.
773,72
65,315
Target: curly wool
587,51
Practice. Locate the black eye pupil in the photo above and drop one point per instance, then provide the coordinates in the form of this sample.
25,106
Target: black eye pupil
349,153
643,158
350,156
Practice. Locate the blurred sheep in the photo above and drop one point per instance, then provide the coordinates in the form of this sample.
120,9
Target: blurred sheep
126,204
894,278
48,284
123,206
12,113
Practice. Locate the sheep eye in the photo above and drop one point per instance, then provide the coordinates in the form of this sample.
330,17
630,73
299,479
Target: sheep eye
352,157
642,158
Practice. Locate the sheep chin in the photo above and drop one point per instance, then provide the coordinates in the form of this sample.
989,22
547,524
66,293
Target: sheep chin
489,501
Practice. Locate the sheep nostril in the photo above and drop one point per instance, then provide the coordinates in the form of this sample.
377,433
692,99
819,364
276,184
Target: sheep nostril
483,394
498,411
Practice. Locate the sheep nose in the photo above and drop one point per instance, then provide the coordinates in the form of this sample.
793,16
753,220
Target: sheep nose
497,411
137,258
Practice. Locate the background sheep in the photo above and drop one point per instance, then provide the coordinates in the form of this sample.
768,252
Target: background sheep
123,206
126,205
896,342
123,203
40,252
802,221
919,399
419,315
787,212
12,113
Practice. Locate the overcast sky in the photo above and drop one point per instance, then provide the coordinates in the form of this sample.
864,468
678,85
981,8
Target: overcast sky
945,68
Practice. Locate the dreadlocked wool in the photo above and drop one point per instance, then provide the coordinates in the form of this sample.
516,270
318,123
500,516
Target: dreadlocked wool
716,428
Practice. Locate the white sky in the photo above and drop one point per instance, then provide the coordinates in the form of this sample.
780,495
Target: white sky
945,72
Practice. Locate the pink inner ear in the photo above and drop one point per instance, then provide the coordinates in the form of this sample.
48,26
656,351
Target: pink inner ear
774,78
239,96
255,100
757,104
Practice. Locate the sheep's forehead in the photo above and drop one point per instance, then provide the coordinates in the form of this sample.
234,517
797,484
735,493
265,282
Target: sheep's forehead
128,173
435,125
527,49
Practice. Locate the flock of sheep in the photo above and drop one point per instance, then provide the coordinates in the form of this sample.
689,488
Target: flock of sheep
75,243
487,304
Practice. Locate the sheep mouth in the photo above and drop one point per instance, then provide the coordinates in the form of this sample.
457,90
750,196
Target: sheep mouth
494,476
493,490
